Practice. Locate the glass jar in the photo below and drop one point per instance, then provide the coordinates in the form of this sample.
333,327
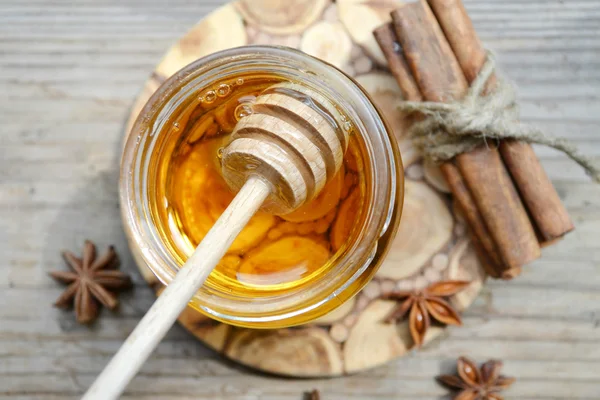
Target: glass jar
362,254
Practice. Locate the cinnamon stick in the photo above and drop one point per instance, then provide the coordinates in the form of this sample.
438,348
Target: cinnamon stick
537,192
386,38
482,237
539,195
441,79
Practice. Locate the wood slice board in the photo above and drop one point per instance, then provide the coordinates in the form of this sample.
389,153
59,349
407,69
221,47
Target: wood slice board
431,244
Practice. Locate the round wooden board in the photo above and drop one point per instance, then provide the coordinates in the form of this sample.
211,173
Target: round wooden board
431,244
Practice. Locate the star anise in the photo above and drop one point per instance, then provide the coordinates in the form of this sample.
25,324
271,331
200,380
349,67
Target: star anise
475,383
91,280
313,395
426,304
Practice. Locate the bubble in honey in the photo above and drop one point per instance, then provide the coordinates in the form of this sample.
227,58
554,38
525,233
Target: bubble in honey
347,126
175,126
220,152
239,81
242,110
223,90
210,96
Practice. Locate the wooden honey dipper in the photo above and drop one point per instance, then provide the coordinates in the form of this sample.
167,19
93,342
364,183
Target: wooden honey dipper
279,158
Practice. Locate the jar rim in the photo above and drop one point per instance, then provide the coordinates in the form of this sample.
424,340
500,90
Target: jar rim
381,146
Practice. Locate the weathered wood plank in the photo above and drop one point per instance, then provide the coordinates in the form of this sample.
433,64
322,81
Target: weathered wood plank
248,386
69,72
508,300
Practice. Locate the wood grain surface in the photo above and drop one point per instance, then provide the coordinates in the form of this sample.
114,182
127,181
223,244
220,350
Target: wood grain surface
69,73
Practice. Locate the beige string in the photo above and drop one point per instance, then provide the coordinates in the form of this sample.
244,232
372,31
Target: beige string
449,129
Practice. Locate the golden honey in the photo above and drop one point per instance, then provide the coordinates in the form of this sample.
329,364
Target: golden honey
282,270
272,253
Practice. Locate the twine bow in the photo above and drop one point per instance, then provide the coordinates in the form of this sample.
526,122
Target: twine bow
450,129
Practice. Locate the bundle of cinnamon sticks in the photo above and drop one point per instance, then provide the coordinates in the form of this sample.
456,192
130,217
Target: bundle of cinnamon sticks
504,193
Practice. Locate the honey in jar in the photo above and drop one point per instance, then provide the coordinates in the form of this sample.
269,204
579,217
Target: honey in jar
281,270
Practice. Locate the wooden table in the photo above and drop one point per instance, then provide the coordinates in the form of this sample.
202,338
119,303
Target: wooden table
69,71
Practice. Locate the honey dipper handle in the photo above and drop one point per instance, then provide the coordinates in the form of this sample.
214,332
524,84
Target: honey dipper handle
164,312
